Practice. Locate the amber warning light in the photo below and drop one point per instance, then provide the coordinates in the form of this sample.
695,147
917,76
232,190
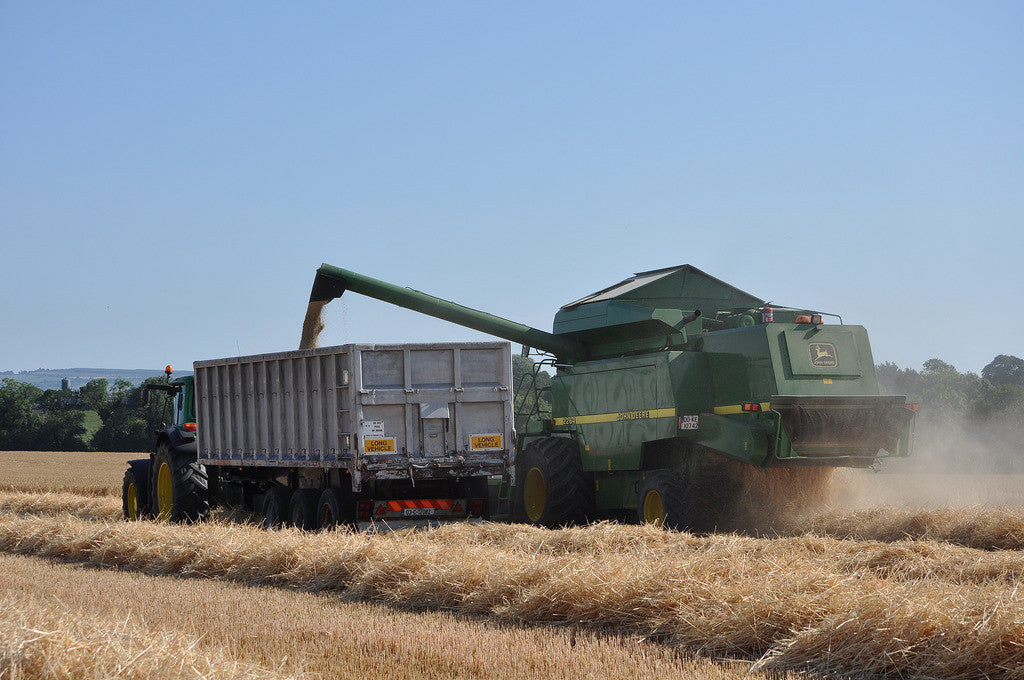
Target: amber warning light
190,427
168,369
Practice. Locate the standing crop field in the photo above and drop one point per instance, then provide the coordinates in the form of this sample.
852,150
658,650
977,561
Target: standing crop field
83,472
871,592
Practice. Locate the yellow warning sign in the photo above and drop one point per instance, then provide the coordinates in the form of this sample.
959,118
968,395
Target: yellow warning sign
485,442
385,445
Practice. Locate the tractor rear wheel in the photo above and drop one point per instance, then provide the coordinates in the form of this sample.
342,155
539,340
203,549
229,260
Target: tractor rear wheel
180,486
135,494
275,507
553,489
302,509
665,501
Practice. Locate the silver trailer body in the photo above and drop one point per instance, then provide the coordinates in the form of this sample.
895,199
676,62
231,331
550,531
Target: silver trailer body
409,411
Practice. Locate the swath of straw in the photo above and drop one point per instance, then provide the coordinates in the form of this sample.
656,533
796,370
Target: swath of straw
781,601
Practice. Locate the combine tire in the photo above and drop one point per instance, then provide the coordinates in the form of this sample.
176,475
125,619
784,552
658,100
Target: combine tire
180,485
302,509
665,500
553,489
275,507
135,493
333,511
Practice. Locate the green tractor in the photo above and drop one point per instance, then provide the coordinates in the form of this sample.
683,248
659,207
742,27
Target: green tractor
170,485
669,388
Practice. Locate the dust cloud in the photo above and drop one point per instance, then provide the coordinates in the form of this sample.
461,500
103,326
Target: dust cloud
953,465
768,498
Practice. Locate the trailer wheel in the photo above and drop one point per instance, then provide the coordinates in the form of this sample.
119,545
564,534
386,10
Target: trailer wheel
302,510
275,507
135,493
664,500
180,485
554,490
332,511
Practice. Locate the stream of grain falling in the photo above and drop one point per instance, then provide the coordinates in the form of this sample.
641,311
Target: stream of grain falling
313,324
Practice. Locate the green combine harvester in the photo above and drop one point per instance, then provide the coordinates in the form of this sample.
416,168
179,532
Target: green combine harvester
663,385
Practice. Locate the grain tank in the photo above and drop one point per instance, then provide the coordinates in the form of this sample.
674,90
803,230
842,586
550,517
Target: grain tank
666,381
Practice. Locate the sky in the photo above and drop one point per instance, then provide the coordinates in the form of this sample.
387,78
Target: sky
173,173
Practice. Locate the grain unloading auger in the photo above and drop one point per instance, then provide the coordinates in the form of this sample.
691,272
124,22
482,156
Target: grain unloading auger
663,379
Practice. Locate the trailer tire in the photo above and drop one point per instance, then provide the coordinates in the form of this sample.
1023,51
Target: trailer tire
180,486
554,490
302,509
332,511
275,507
665,500
135,492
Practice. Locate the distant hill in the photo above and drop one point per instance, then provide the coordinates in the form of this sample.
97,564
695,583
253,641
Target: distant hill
50,378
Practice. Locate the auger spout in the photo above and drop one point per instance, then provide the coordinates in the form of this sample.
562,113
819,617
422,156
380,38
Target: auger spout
332,282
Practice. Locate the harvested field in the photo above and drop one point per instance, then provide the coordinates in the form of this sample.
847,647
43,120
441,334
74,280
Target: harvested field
866,593
199,628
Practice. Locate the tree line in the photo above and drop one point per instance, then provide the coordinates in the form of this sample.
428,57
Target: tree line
96,417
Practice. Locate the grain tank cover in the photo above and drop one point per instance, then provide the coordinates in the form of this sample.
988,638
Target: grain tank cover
649,304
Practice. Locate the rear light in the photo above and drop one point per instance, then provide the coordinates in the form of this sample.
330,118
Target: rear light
751,406
190,427
476,507
913,407
364,510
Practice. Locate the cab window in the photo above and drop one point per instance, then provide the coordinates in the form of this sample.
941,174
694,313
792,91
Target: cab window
179,405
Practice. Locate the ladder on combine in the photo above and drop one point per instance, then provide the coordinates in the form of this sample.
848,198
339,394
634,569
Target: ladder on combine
531,403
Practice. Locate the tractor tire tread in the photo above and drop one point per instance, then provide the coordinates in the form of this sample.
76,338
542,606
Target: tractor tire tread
190,482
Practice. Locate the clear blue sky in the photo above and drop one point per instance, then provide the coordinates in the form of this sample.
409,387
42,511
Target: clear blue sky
172,174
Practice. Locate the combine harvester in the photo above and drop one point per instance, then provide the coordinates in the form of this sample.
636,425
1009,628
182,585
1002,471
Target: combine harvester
668,389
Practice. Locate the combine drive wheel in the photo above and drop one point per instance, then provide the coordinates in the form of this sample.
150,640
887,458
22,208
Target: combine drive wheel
302,509
554,490
275,507
180,485
135,493
664,501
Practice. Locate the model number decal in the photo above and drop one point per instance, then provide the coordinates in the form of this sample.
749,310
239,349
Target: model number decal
616,417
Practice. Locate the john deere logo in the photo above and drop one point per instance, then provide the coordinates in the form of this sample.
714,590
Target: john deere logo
823,354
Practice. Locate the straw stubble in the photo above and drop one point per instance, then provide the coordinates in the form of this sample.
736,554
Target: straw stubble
941,611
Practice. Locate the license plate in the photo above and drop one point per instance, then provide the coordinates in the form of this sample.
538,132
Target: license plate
418,512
